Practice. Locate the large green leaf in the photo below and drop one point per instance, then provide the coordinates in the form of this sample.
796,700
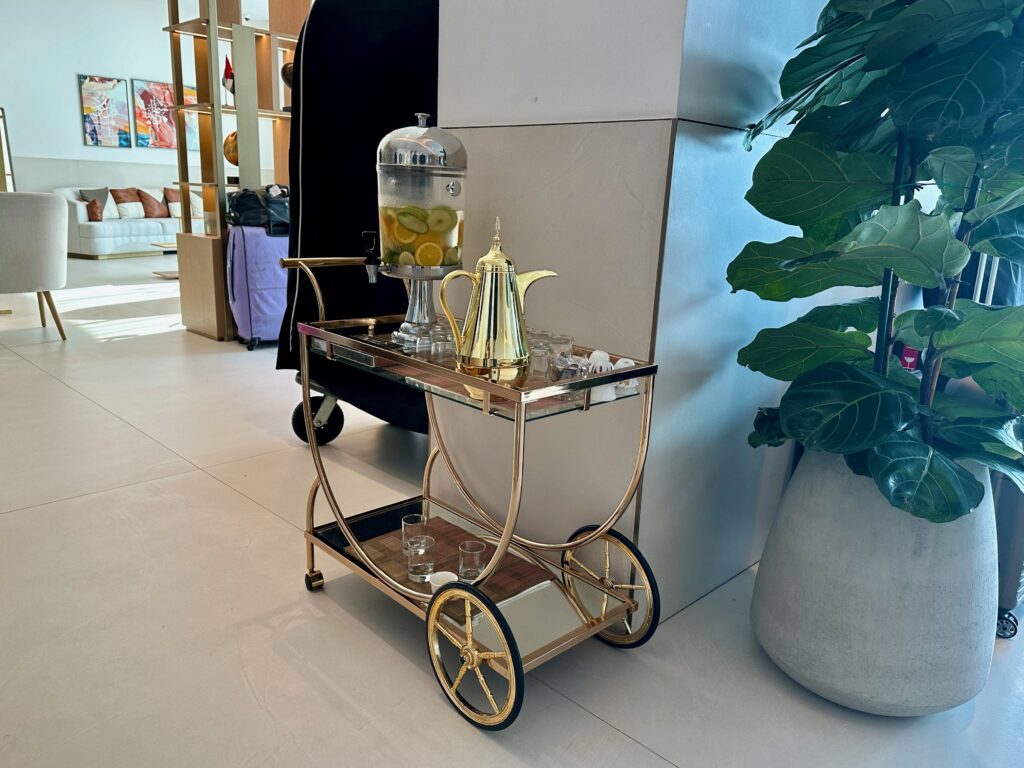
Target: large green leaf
952,168
1003,383
943,98
861,314
1014,470
784,353
841,408
929,21
1001,235
756,269
987,335
921,480
905,327
919,248
1003,157
834,227
855,126
996,435
997,205
800,180
935,319
836,51
767,430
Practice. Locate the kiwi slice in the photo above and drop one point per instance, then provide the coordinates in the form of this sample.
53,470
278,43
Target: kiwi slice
406,259
412,222
442,219
452,257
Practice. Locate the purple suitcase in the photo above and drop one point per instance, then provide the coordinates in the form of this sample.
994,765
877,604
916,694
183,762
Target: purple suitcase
257,284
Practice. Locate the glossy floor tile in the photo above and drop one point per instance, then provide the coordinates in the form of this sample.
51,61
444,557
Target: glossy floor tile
702,692
166,624
56,444
368,469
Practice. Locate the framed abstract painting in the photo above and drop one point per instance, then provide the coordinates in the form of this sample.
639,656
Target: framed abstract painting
155,122
105,118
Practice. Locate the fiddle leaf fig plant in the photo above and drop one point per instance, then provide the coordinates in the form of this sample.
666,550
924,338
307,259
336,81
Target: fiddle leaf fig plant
887,98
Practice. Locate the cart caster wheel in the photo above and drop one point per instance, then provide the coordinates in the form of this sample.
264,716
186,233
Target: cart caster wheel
252,343
314,581
1006,625
331,428
617,563
474,656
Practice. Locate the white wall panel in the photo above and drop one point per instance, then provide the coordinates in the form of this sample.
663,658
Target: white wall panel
733,53
586,200
516,62
708,498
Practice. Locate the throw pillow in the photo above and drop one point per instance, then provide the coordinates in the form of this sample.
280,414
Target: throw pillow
153,208
95,210
102,194
129,206
173,197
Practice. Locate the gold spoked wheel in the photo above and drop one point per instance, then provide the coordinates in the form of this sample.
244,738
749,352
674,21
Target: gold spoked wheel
474,655
615,562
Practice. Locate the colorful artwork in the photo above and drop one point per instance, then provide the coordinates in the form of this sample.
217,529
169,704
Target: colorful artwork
191,120
105,117
155,123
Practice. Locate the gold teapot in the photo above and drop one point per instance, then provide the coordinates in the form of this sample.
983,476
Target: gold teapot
492,342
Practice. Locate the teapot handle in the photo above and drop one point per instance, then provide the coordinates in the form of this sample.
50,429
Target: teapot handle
460,339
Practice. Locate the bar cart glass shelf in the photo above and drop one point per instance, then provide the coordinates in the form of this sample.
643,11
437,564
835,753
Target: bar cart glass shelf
532,600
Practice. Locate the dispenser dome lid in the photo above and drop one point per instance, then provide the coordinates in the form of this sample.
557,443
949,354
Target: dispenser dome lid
422,146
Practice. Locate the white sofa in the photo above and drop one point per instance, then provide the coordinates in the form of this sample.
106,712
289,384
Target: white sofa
116,235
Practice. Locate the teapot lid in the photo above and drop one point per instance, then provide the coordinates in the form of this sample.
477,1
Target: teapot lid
495,259
422,146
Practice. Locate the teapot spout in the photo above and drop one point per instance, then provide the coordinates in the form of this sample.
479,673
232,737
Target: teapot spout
527,279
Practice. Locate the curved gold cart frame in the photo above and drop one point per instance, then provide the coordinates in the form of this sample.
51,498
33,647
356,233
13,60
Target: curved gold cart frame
532,600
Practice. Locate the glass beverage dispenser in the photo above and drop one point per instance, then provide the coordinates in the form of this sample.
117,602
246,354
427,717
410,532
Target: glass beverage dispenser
421,177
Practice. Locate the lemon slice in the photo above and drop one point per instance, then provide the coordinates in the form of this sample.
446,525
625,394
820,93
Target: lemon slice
429,255
403,235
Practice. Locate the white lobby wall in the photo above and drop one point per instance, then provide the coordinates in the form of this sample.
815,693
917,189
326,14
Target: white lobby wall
54,42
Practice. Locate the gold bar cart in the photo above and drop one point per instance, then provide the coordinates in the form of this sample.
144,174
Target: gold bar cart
532,600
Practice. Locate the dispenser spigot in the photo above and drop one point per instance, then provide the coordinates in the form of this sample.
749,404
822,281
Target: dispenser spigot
372,261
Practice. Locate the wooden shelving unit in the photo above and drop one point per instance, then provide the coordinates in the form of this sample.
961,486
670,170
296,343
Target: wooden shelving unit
256,56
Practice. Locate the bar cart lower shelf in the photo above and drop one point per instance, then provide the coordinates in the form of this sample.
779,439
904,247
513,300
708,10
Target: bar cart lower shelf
532,600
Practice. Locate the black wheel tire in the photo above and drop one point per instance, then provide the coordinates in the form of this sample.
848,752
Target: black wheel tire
516,662
314,581
253,343
1006,625
648,573
331,428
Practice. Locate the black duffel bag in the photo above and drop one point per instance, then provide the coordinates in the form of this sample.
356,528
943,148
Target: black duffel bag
267,208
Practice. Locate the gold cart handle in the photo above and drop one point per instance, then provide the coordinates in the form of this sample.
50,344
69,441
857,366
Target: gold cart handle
306,266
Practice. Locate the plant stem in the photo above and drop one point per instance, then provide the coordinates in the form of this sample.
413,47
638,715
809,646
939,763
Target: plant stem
890,283
933,366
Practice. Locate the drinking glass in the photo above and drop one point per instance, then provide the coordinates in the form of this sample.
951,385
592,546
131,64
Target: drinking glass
540,358
412,525
561,354
421,558
471,559
442,343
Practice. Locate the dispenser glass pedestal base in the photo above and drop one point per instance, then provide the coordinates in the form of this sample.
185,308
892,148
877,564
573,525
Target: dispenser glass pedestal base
421,317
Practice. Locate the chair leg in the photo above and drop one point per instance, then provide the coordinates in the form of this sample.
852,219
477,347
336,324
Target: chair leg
56,317
42,312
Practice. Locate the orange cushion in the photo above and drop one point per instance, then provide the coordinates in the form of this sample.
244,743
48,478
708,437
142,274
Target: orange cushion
155,209
94,208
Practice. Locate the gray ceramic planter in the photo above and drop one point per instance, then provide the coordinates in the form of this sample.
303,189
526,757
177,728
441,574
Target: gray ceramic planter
871,607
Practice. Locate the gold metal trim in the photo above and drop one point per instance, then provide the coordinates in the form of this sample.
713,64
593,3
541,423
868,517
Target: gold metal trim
490,523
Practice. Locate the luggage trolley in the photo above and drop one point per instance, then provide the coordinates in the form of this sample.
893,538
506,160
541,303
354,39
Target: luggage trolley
532,600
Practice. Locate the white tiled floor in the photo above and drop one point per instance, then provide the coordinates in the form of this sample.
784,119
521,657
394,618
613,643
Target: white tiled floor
152,610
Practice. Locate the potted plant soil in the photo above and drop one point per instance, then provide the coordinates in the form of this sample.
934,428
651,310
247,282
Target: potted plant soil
877,588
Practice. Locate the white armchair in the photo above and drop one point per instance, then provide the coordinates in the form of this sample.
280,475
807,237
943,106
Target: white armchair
34,247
